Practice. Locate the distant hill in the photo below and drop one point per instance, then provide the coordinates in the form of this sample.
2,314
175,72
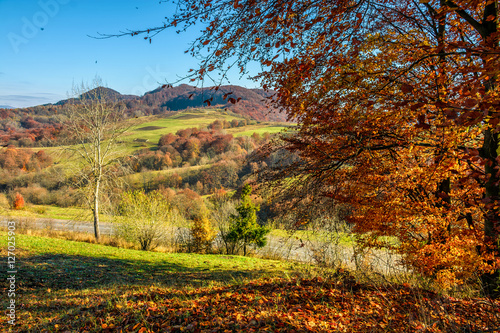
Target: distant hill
101,91
6,107
249,103
246,102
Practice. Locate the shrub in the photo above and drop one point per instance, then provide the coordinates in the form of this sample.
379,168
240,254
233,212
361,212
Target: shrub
18,202
4,202
35,194
244,228
202,234
145,218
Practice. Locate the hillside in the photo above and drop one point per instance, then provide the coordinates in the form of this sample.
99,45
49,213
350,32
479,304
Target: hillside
108,92
73,286
250,103
40,125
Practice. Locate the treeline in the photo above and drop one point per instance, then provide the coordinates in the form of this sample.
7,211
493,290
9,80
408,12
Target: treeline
29,127
16,161
33,175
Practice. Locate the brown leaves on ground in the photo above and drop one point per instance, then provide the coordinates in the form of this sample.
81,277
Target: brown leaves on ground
297,305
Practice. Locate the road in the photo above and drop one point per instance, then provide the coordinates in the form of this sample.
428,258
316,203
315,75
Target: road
55,224
288,248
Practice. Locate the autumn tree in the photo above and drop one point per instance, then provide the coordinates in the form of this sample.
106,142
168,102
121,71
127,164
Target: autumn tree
397,109
18,202
96,123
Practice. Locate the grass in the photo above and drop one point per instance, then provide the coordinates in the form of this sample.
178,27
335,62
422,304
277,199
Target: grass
260,129
146,177
54,212
53,269
317,236
70,286
341,238
160,125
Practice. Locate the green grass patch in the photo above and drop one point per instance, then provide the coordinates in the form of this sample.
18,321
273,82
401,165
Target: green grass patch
260,129
55,212
158,126
52,270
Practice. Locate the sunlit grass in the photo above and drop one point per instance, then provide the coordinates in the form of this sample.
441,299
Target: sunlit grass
260,129
54,212
72,286
186,119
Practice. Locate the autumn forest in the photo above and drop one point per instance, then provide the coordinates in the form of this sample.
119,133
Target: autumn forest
358,190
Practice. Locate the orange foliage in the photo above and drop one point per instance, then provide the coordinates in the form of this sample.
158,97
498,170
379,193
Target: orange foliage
397,104
18,202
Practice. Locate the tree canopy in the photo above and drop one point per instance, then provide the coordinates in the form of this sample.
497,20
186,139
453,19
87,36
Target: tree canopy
397,105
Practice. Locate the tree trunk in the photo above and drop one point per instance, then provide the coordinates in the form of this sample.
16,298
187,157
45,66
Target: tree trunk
489,152
95,211
491,282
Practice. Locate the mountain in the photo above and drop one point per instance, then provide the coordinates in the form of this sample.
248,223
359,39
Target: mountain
6,107
252,103
108,93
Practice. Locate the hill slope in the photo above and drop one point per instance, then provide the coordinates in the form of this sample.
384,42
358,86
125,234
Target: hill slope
246,102
72,286
250,103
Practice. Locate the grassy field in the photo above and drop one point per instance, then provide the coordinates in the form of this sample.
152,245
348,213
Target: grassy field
143,178
55,271
65,286
54,212
154,127
146,131
260,129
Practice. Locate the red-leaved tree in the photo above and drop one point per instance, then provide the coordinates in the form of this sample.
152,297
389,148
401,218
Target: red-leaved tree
397,105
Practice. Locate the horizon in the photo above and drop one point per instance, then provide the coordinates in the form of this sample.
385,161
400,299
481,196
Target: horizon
161,87
50,46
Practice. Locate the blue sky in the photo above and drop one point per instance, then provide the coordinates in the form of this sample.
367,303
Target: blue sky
45,48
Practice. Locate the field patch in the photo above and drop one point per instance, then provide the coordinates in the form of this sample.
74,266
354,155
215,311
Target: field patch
189,116
149,128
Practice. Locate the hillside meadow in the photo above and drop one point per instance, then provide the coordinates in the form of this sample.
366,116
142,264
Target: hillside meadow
67,286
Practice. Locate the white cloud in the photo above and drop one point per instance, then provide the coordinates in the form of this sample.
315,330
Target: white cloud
29,100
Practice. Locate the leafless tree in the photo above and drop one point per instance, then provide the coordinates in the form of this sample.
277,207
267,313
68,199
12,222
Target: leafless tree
95,123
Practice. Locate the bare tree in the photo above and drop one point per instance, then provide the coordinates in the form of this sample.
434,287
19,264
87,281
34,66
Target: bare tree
95,122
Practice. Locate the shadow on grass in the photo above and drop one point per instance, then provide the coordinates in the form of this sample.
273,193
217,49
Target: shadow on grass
277,305
60,271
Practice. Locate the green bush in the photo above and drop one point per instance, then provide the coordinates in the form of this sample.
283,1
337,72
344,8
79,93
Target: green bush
244,229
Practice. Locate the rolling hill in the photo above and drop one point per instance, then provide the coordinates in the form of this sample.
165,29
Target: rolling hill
39,125
249,103
252,103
